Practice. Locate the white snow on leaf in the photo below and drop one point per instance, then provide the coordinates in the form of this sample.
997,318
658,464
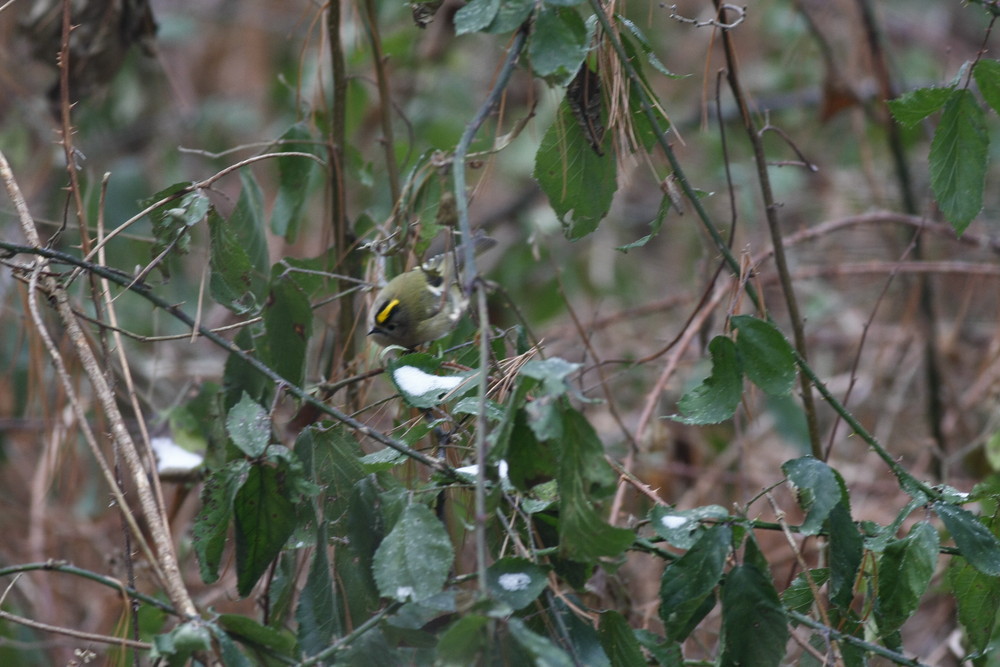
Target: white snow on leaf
671,521
514,581
171,457
415,382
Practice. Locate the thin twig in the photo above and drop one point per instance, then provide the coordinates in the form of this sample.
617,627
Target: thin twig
471,282
774,226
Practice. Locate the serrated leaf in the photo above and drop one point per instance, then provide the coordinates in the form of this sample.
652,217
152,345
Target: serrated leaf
516,581
846,552
248,631
978,545
717,397
511,15
817,490
583,477
666,653
234,283
541,650
211,525
987,74
172,222
912,107
317,614
578,183
249,427
228,651
978,598
958,159
766,357
618,640
904,571
287,329
799,594
463,643
414,559
688,583
294,174
239,256
475,16
265,519
755,628
645,45
558,43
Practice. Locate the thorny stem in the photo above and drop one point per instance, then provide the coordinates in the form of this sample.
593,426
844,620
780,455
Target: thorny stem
771,213
470,282
932,363
126,281
647,108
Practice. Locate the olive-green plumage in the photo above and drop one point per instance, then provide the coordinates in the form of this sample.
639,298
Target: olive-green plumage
423,304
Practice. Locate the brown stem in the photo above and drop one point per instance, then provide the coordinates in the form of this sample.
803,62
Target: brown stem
771,213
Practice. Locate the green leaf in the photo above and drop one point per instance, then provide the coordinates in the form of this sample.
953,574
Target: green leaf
239,377
511,15
666,653
239,257
584,475
978,598
904,571
987,74
540,649
645,46
415,378
754,625
414,559
767,358
208,535
287,329
717,397
531,461
687,585
846,552
578,183
294,174
979,546
912,107
817,489
251,633
249,426
228,651
178,645
516,582
317,614
545,412
654,227
682,528
553,374
234,282
171,225
558,44
265,519
464,643
330,458
958,159
475,16
619,641
799,594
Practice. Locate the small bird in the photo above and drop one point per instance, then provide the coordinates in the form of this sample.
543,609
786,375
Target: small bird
424,303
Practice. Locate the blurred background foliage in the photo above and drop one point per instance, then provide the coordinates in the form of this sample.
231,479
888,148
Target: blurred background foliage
219,81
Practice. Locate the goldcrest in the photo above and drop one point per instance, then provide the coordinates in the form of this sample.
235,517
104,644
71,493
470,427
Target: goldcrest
424,303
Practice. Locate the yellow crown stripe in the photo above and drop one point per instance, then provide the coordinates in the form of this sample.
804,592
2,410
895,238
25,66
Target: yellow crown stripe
386,311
